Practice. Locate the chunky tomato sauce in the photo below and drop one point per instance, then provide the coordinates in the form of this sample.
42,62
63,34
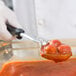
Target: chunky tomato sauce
40,68
56,51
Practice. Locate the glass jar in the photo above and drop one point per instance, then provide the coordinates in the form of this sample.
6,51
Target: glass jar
5,51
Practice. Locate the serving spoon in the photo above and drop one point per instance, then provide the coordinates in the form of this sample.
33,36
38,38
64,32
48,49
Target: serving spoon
57,56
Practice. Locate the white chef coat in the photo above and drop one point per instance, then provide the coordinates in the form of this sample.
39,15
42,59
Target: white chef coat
47,18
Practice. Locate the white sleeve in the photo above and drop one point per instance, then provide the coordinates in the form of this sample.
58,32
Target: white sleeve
1,2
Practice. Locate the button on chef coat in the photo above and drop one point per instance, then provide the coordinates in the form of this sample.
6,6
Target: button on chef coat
47,19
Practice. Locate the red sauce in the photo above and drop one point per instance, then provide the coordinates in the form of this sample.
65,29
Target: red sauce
40,68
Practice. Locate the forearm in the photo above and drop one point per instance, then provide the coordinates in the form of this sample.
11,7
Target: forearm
7,16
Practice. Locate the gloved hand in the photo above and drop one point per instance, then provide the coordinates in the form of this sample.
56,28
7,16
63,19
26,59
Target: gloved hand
7,15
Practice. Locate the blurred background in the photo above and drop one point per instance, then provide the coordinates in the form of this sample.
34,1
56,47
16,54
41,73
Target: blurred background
46,18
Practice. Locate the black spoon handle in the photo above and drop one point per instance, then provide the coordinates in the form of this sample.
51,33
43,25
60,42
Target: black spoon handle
15,31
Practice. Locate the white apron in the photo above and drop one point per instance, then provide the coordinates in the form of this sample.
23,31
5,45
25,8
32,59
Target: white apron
47,18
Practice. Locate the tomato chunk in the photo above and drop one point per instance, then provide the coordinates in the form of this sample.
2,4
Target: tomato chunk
64,49
55,43
50,49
